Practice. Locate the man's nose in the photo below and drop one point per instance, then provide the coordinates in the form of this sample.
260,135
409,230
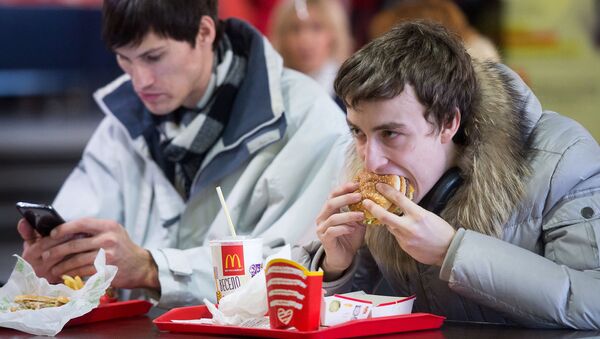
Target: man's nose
142,77
373,156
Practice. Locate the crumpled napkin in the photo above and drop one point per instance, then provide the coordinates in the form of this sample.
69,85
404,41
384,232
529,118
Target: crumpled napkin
249,301
49,321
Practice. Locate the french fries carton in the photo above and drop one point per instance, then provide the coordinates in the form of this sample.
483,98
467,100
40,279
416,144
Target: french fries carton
294,294
340,308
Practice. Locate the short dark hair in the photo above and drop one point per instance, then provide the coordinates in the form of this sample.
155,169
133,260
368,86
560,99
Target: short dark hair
126,22
422,54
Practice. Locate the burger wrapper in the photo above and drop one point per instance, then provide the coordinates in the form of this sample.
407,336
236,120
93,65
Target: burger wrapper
49,321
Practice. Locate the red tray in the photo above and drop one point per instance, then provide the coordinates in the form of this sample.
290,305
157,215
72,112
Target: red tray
119,309
355,328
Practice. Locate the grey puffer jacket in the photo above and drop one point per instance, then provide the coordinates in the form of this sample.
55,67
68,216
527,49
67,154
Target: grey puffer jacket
528,221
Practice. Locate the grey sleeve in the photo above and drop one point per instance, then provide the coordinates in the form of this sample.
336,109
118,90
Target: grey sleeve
559,288
529,288
311,255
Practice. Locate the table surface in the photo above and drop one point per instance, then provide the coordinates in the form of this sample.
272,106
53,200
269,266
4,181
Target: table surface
142,327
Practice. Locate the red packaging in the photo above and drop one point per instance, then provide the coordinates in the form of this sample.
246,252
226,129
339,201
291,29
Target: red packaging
294,295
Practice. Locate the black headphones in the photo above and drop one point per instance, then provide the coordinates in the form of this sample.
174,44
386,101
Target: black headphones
436,199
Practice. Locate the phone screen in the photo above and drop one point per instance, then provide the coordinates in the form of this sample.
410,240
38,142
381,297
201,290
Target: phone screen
42,217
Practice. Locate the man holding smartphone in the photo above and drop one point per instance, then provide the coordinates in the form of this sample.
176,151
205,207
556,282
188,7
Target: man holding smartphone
203,103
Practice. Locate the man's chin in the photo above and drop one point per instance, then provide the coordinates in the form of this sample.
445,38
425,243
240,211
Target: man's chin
158,109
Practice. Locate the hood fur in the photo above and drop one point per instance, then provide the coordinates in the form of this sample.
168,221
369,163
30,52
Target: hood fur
493,165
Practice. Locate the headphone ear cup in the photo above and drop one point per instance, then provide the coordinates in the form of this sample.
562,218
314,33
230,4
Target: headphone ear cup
436,199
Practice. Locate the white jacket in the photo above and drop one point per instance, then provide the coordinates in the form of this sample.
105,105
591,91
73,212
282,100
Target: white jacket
275,174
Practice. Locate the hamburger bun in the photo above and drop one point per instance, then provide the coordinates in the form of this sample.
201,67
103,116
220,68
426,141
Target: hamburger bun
366,187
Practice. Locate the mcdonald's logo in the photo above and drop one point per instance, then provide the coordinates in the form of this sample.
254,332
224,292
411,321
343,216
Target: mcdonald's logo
232,260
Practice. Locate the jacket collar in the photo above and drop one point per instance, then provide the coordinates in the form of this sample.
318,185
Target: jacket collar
494,164
259,98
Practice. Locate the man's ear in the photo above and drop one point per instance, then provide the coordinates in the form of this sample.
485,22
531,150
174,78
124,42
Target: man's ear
450,128
207,32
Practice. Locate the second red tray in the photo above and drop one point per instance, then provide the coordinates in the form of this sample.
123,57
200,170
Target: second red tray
116,310
365,327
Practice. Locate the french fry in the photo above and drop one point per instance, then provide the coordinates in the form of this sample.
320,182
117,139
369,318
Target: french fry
69,281
73,283
79,282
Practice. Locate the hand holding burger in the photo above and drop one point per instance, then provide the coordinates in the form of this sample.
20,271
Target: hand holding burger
422,234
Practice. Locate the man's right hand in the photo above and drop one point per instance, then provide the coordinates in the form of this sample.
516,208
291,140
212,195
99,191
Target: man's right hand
341,233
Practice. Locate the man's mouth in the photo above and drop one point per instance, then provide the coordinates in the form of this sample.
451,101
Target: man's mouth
150,97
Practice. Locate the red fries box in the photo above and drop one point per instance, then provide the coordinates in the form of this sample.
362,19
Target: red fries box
294,295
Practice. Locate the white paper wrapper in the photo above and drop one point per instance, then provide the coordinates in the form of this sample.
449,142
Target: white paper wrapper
50,320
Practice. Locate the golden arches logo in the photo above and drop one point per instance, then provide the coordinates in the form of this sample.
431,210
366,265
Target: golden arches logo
231,260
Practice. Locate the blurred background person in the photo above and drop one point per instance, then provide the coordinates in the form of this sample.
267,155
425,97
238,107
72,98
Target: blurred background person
444,12
313,37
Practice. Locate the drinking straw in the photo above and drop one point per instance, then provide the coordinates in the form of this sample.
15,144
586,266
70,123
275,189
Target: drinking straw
231,227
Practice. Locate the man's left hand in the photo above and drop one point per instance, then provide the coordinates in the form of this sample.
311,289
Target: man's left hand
422,234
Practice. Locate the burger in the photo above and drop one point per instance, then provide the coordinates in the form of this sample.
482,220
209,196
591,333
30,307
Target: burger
35,302
366,187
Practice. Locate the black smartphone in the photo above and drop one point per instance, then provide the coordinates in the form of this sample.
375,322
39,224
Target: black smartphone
42,217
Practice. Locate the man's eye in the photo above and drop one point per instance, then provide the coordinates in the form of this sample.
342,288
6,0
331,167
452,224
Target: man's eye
355,132
153,57
389,134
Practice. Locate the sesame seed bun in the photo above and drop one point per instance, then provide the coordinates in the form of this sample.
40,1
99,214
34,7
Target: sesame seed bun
366,187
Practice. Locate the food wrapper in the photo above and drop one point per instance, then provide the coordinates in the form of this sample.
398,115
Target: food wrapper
340,308
49,321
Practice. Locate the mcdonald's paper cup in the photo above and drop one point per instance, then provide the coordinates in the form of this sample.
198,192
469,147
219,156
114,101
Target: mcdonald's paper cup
235,261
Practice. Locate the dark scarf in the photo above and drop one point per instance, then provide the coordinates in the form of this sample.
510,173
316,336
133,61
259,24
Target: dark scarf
185,136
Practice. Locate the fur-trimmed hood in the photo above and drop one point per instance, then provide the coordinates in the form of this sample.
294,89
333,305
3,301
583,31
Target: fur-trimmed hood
493,164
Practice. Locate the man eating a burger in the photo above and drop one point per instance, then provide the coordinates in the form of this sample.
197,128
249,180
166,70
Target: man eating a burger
504,222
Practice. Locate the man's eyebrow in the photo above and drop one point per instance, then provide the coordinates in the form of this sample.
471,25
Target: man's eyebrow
145,53
385,126
150,51
390,126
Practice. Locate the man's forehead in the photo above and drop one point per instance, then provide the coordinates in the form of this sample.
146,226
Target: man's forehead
396,113
150,41
376,119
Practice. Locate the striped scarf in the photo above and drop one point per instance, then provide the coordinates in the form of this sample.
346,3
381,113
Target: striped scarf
186,135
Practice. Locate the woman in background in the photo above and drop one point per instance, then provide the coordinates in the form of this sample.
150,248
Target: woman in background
444,12
313,37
